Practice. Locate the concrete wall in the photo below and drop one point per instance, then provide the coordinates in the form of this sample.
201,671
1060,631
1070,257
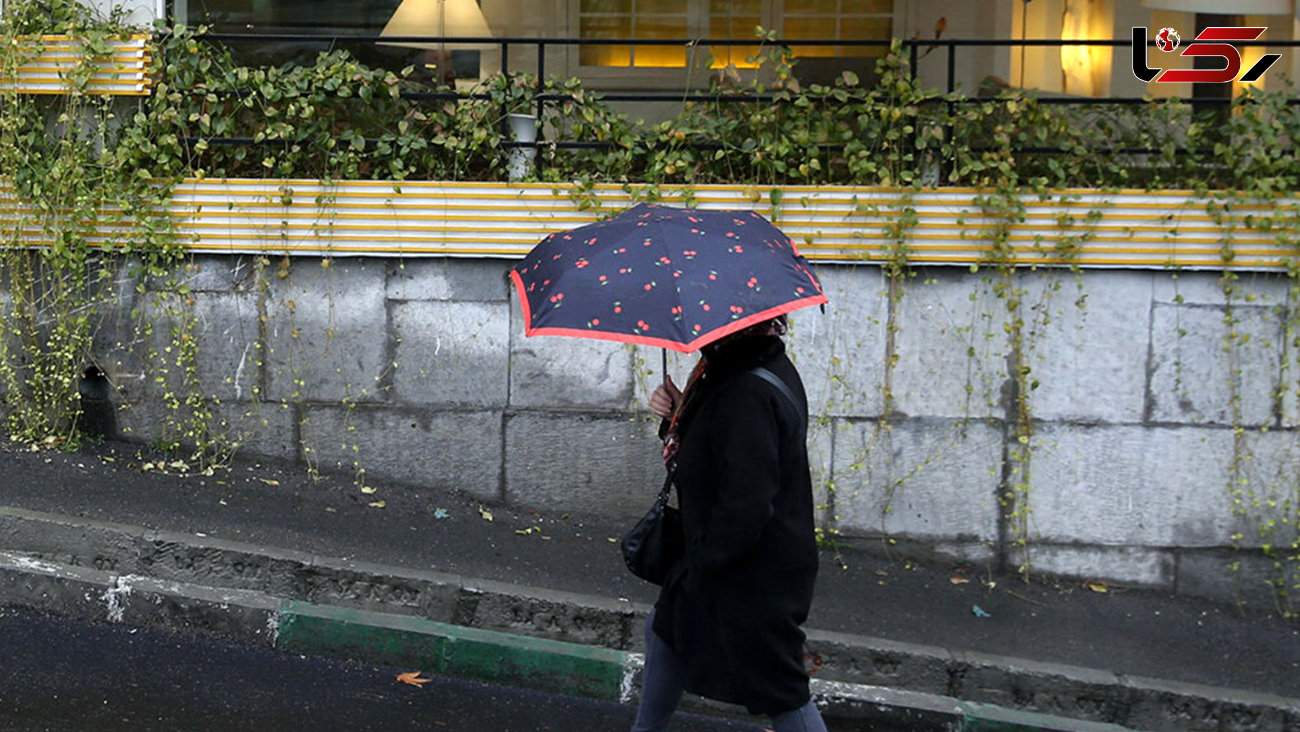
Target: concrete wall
417,371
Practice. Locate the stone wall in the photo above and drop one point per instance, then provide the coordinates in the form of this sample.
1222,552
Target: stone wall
1163,417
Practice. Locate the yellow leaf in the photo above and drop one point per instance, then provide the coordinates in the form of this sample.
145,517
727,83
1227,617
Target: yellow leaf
268,481
367,489
486,514
1097,586
378,504
413,678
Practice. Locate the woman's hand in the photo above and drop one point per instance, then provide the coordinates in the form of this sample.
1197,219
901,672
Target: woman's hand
664,401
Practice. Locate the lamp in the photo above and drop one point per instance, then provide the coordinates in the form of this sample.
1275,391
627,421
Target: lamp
438,18
1080,65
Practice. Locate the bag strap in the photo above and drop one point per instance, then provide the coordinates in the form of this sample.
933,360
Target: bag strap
668,485
784,388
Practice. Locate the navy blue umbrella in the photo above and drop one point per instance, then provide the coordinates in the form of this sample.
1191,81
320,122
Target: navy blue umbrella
662,276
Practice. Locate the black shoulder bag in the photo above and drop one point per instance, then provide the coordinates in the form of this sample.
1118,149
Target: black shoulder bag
657,542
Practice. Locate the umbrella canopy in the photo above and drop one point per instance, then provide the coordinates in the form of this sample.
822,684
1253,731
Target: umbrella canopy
662,276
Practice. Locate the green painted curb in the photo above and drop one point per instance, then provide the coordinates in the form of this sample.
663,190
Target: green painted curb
989,718
452,650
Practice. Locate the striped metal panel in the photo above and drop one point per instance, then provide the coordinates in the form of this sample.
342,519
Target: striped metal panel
125,73
1127,229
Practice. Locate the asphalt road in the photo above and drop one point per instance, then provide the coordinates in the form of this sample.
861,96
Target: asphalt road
69,675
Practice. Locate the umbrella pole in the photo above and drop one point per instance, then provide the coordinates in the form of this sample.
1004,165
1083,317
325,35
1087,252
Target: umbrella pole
664,351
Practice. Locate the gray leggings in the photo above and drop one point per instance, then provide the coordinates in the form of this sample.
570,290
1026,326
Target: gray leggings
661,691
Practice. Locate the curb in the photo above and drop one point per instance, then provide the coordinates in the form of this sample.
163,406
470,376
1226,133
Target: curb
257,594
452,650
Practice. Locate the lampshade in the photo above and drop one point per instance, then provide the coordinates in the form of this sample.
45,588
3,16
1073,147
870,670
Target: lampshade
438,18
1236,7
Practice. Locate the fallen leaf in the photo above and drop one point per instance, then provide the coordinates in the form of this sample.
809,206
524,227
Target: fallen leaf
486,514
1097,586
413,678
367,489
527,531
377,504
959,580
268,481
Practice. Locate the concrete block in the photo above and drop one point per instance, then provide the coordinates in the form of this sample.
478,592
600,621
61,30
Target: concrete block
1131,486
95,594
1206,288
880,662
118,347
918,478
821,446
357,584
1126,565
451,353
220,273
230,351
608,465
951,347
557,371
1089,357
44,585
261,428
1187,288
1264,492
71,542
841,354
327,332
239,614
1198,359
553,615
448,450
462,280
1170,706
173,557
1056,689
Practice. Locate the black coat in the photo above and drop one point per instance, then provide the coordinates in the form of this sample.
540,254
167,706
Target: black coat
733,616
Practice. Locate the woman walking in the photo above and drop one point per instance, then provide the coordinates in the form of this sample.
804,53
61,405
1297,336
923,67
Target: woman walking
727,622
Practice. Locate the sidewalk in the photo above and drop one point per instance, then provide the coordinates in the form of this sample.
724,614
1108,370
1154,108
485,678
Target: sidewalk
282,552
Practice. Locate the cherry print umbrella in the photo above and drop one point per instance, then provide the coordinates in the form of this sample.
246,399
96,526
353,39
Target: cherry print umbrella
661,276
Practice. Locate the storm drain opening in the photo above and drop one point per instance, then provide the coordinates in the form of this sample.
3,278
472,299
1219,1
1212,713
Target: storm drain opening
98,419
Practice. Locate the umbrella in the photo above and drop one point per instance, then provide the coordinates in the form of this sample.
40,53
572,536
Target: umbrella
662,276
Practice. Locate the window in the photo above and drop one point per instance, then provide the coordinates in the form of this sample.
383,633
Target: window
728,19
